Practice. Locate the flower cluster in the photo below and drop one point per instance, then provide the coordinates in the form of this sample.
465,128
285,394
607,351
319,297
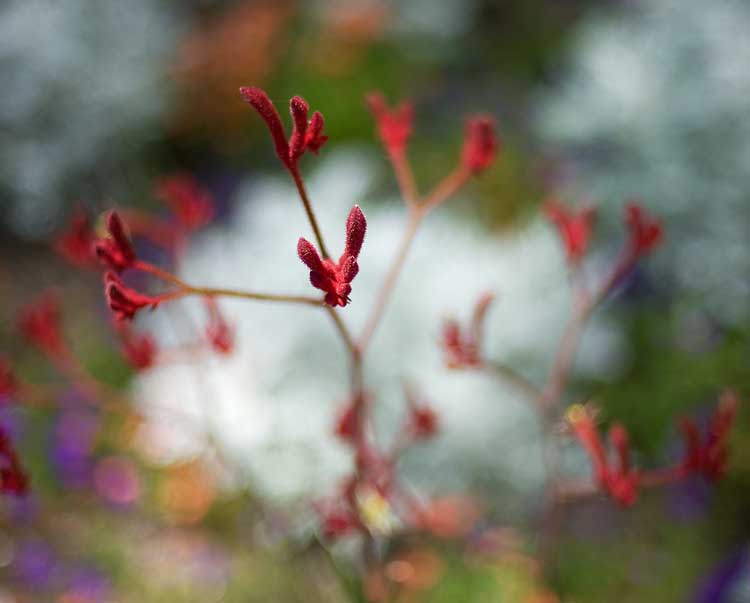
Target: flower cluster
306,135
621,481
334,278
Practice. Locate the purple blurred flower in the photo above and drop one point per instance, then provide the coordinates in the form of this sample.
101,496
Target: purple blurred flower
75,436
35,564
718,586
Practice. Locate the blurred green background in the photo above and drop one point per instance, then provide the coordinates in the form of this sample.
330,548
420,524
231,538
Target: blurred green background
595,101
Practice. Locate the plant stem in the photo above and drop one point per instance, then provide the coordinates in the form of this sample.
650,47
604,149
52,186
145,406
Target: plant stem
300,184
405,178
415,219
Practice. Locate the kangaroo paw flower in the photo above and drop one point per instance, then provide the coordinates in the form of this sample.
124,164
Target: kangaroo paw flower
334,278
306,135
574,228
116,251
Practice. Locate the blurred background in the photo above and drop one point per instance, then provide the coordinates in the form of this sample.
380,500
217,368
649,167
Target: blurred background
596,102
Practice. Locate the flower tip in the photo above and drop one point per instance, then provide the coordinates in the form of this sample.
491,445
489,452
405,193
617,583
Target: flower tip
480,143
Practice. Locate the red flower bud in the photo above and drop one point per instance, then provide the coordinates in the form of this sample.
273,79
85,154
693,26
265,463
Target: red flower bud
123,301
574,228
219,332
12,478
190,203
480,144
335,278
39,322
305,136
394,125
140,350
464,349
116,251
645,231
75,244
314,138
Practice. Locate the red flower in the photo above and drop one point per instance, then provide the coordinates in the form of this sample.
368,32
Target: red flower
8,383
12,478
462,350
75,244
190,203
116,251
335,278
337,522
710,458
140,350
123,301
422,423
347,423
219,332
622,480
574,228
39,322
394,125
480,144
618,480
305,135
645,231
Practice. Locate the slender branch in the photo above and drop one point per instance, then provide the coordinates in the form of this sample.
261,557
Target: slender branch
515,379
405,178
351,346
299,183
415,219
446,188
272,297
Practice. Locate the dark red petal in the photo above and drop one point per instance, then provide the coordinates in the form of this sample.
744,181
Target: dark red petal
309,255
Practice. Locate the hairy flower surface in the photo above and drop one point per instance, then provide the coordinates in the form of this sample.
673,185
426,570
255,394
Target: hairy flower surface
574,228
335,277
115,251
306,135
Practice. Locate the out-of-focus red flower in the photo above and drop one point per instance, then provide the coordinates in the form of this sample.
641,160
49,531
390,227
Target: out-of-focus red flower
619,479
335,278
75,244
646,232
394,125
480,144
124,301
191,204
422,422
12,478
115,251
139,349
219,332
463,349
574,228
710,458
347,424
8,383
305,135
39,322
